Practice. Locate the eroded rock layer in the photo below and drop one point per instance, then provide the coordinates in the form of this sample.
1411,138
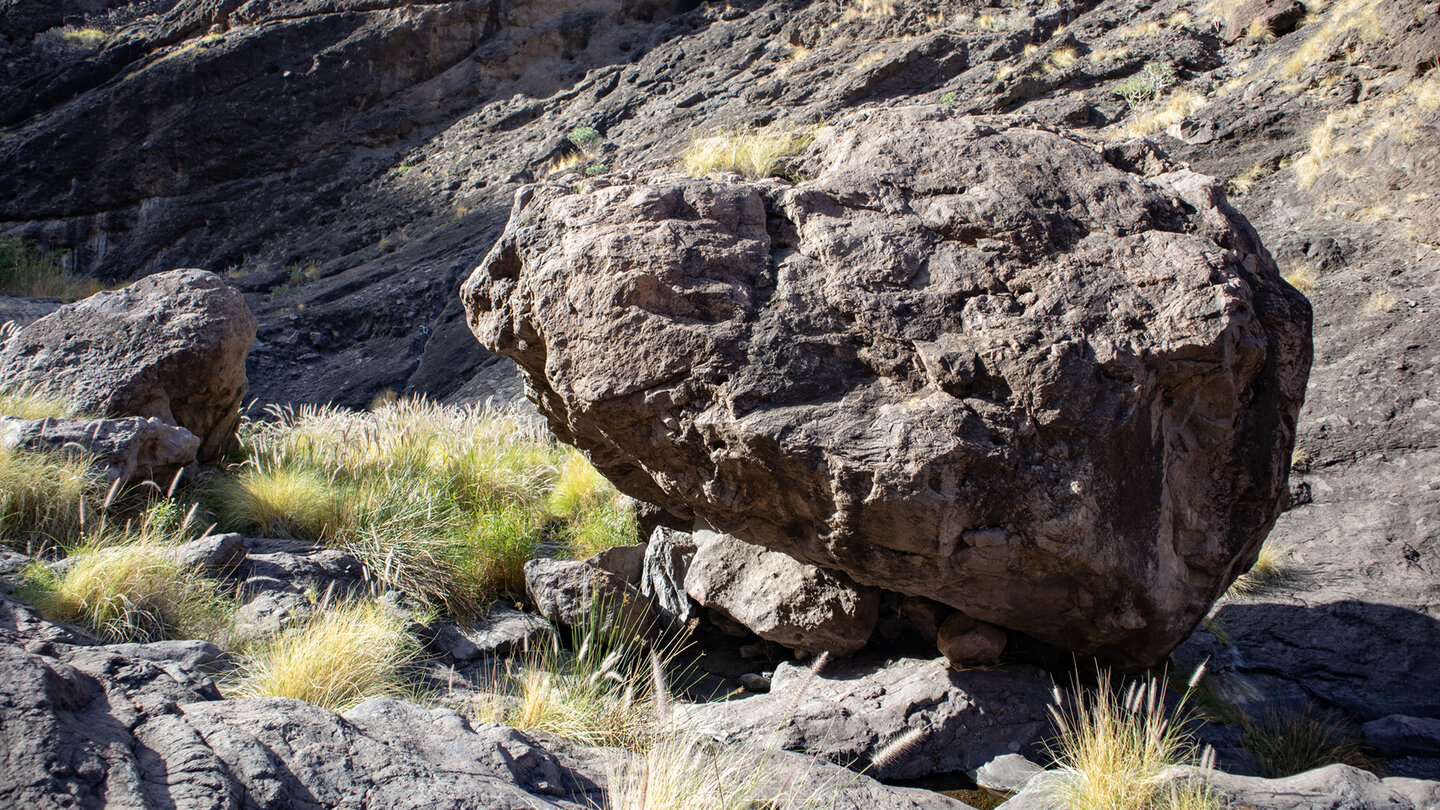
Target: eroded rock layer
1050,383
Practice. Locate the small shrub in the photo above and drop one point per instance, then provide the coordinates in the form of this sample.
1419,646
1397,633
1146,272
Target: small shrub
1179,105
755,154
1151,82
72,38
1242,183
340,657
1287,742
948,99
597,169
586,139
30,272
1112,748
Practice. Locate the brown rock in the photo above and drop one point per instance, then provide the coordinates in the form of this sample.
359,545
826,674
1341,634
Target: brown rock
969,359
170,346
779,598
966,641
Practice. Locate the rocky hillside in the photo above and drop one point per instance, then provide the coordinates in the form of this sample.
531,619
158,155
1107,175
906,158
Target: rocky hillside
348,163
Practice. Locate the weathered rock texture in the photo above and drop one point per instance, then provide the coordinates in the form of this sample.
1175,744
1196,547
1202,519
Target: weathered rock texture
779,598
140,725
131,449
972,359
171,346
852,710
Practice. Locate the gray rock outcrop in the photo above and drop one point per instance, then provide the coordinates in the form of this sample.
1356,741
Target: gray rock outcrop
171,346
130,450
779,598
662,577
1048,382
851,710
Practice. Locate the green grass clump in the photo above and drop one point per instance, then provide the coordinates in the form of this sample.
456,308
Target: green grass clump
341,656
28,403
126,585
30,272
40,497
1112,749
1287,742
445,504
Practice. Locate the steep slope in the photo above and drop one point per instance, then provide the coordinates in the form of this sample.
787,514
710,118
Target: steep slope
367,151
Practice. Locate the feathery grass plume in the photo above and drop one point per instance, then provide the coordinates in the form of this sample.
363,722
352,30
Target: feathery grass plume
898,747
443,503
1290,741
1112,748
29,271
815,670
1270,569
28,402
127,585
755,154
341,656
610,690
42,497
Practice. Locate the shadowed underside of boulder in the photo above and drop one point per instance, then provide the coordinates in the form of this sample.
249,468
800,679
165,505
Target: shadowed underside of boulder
1050,383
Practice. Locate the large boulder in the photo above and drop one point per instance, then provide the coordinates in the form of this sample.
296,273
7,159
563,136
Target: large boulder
171,346
1049,382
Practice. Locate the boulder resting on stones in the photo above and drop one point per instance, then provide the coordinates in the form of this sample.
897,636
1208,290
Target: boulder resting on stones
1047,381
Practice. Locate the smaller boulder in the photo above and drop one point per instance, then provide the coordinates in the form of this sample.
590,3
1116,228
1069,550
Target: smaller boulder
212,554
1263,18
579,595
662,577
130,450
502,630
970,642
1398,735
779,598
625,562
170,346
1007,773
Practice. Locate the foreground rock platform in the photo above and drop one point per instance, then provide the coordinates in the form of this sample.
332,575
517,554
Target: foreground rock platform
1048,382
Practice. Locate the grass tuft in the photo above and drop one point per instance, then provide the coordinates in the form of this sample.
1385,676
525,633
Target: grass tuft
126,585
1287,742
755,154
1270,569
341,656
41,495
445,504
1112,748
1303,277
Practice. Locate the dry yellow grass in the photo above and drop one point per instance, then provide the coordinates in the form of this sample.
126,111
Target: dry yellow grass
1149,28
566,162
40,497
1303,276
74,38
29,403
1177,106
868,9
1270,569
1112,748
131,591
341,656
755,154
1380,301
1242,183
1359,17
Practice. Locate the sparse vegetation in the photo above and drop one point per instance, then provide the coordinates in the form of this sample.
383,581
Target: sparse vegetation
1150,82
1178,106
755,154
31,272
341,656
29,403
1290,741
1270,569
73,38
1302,276
1112,748
1242,183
